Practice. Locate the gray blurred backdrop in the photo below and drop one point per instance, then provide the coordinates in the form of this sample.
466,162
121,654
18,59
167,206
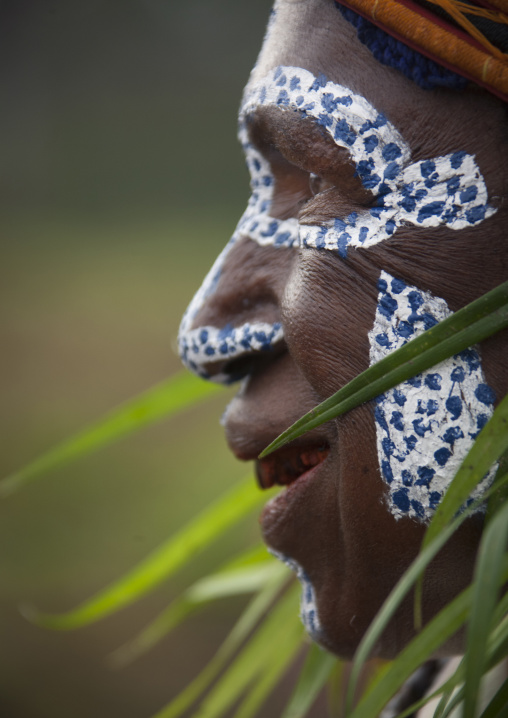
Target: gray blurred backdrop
120,179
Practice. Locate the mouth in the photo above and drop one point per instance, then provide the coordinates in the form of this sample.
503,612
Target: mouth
287,465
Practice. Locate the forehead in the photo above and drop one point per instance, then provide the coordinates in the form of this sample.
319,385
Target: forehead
314,35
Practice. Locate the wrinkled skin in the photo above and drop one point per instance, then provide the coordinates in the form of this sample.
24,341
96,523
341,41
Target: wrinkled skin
334,521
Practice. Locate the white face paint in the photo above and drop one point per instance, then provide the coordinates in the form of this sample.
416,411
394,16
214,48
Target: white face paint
308,606
446,191
426,425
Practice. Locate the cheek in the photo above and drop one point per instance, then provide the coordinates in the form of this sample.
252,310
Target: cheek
328,309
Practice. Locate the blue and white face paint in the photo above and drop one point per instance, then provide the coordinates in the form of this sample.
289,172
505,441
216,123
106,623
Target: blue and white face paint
308,606
446,191
426,425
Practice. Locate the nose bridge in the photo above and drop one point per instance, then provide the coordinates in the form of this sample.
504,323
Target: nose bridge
235,314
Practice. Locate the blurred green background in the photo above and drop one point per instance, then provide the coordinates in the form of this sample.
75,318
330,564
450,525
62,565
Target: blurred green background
121,179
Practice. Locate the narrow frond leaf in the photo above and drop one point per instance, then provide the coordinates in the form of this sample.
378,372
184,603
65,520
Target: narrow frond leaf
487,585
171,396
252,614
161,563
316,671
282,655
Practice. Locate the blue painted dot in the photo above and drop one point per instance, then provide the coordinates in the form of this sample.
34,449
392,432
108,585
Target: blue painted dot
342,244
485,394
454,406
481,420
410,442
429,321
399,397
415,381
432,407
469,194
433,381
203,336
452,185
397,286
363,234
434,499
391,152
324,119
452,434
345,133
425,475
271,229
432,209
427,168
476,214
456,159
401,500
458,374
387,305
407,478
379,416
391,171
383,341
209,351
319,81
420,428
415,300
405,330
442,455
370,143
397,421
388,446
283,98
294,83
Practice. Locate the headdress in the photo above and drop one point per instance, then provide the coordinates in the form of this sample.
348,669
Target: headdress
437,42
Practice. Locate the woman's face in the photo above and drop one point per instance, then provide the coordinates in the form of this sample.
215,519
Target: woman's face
376,212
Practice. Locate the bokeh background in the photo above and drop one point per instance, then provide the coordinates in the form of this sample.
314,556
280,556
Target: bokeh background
121,179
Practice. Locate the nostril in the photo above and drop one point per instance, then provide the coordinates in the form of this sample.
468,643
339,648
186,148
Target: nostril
238,369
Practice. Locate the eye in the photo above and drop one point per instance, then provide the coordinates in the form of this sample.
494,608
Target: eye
317,184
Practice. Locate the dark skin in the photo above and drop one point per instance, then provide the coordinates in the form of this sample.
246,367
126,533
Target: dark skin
334,520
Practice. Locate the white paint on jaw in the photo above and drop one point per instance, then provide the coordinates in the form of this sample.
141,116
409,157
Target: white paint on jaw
426,425
308,606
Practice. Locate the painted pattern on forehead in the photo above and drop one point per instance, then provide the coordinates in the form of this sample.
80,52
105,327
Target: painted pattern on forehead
426,425
446,191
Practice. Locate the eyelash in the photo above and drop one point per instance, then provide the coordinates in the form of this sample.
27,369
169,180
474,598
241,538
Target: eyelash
317,184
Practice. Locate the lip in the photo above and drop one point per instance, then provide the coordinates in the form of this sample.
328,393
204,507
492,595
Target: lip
283,510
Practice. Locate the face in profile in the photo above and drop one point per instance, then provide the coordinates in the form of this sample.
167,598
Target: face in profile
376,211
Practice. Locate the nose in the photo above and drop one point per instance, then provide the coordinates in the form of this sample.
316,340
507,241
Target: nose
234,320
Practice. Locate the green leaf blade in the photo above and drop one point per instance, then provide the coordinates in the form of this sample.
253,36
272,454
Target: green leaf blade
162,562
177,393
